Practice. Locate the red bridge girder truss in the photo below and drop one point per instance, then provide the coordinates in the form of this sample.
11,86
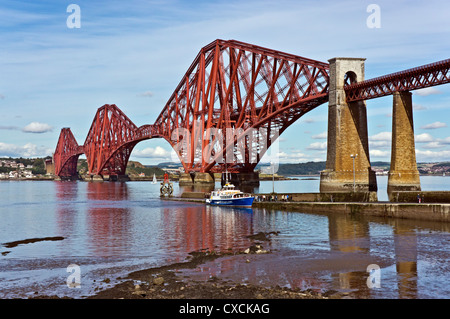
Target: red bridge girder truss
417,78
66,154
232,88
237,86
110,140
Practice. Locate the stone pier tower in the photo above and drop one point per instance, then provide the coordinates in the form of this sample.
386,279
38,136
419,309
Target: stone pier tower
403,174
347,133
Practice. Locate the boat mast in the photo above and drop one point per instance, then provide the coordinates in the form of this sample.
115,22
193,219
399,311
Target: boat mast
226,174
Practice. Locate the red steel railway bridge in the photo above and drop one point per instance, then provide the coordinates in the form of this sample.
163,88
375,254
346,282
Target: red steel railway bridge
237,98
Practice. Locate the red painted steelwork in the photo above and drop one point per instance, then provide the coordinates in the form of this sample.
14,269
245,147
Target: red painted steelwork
417,78
110,140
66,154
237,86
233,88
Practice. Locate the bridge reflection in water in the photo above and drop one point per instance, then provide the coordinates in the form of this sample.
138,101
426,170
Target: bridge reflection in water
317,251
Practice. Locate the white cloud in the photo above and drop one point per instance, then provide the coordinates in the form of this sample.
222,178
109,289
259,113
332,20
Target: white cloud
423,138
382,136
432,156
146,94
9,127
150,152
445,141
431,142
418,107
318,146
28,150
434,144
320,136
383,140
427,91
36,127
295,156
433,126
378,153
379,144
380,140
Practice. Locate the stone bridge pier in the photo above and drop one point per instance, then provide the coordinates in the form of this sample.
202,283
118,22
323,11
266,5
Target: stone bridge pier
348,163
403,174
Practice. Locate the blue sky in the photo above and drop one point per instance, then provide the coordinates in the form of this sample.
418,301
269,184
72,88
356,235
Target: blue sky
134,53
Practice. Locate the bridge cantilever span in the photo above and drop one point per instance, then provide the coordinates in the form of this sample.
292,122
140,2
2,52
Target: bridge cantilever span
111,139
234,89
108,145
237,86
230,85
66,154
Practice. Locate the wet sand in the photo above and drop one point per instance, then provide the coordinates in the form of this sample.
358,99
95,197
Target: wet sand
185,281
257,272
253,273
270,275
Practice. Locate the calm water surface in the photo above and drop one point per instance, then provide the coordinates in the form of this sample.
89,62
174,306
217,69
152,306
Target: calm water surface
110,229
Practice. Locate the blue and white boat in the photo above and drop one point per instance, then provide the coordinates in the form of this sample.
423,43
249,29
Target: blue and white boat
229,196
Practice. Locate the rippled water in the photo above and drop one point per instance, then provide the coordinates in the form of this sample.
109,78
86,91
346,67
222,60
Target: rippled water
110,229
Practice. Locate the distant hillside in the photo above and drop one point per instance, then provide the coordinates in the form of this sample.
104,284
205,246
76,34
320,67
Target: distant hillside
309,168
380,164
136,168
313,168
169,165
133,168
434,168
291,169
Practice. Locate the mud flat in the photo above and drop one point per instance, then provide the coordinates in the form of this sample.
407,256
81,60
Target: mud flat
181,281
176,282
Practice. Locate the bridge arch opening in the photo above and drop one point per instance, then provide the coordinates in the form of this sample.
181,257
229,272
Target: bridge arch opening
154,151
350,78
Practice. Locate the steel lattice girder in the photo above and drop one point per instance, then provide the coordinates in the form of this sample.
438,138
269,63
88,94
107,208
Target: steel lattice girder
66,154
417,78
230,85
110,141
234,85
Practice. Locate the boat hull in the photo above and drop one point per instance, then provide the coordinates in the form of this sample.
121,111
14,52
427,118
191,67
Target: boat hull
241,202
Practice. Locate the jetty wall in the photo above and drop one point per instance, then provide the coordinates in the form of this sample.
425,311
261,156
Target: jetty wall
358,203
431,212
